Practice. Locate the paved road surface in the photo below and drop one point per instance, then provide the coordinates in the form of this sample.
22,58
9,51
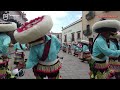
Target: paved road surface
72,68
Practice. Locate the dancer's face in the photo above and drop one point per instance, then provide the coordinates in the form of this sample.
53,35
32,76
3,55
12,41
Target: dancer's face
106,34
113,33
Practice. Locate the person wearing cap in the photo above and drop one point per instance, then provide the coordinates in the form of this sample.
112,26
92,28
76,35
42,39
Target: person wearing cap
85,50
44,48
101,51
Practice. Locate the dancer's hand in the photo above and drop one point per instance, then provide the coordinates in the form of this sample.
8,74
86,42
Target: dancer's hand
4,56
21,65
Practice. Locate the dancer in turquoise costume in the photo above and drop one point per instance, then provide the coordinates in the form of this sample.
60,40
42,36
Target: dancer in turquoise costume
18,46
76,49
64,47
5,41
85,53
114,61
44,48
101,51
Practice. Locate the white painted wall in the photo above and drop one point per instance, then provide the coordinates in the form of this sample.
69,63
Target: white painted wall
72,29
60,36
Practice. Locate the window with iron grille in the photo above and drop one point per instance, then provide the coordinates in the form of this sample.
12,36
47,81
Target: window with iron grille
58,36
65,40
72,37
90,15
88,28
78,34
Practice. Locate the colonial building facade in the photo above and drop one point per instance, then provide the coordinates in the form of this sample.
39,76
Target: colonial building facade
90,17
72,33
58,35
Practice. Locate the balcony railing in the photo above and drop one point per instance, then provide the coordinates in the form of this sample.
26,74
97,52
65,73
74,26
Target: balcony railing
90,15
87,32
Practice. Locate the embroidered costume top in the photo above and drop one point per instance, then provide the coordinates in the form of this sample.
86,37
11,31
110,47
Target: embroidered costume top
85,48
36,51
17,46
113,45
76,48
101,47
4,43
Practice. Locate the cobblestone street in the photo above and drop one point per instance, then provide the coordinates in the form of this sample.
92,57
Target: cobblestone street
72,68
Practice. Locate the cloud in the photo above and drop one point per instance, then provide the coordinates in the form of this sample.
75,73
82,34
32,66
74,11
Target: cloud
54,14
78,16
60,18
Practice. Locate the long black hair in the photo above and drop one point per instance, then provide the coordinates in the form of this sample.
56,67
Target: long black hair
96,37
115,41
94,42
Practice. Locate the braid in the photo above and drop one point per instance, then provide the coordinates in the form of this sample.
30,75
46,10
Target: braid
116,43
93,43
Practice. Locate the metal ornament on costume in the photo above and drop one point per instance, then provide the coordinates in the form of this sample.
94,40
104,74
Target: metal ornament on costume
49,68
115,66
101,66
104,75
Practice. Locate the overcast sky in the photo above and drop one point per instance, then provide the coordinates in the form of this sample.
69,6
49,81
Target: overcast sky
60,18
